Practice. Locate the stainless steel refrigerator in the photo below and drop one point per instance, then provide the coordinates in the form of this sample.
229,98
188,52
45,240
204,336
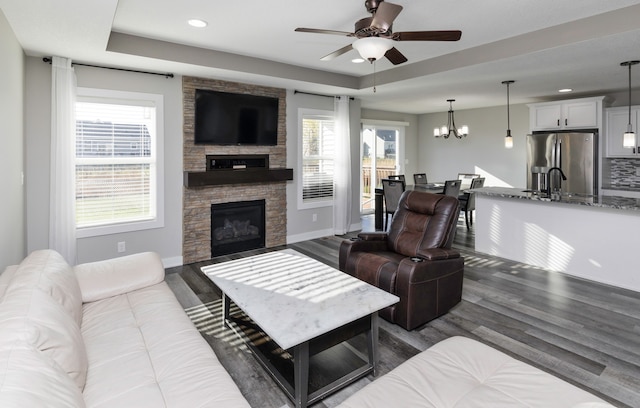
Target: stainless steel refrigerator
575,152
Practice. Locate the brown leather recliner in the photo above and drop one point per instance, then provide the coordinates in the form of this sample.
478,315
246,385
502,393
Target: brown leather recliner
413,261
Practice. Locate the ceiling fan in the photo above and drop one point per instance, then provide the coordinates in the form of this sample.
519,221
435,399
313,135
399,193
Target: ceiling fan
375,32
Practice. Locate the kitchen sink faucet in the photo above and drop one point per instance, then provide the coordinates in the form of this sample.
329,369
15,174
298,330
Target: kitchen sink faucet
549,180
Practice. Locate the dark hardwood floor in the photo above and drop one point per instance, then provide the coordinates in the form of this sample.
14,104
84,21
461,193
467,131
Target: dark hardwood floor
583,332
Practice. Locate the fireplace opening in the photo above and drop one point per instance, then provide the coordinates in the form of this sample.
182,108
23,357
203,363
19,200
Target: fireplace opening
237,226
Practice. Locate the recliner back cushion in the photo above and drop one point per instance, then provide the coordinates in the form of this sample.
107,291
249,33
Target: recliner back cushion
423,221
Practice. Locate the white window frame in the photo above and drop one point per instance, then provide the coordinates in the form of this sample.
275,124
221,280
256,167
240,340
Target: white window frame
157,158
302,114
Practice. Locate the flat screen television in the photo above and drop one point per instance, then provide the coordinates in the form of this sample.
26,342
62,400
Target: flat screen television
224,118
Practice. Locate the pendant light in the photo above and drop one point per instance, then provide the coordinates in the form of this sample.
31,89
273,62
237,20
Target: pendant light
629,138
508,140
450,128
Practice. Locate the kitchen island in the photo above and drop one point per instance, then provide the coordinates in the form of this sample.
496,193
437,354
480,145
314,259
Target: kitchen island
592,237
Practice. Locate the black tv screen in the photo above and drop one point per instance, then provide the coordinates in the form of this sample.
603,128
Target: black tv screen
224,118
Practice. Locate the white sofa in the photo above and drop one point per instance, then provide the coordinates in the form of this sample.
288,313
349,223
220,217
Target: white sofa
460,372
104,334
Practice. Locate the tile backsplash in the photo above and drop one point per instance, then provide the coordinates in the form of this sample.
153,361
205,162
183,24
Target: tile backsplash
623,173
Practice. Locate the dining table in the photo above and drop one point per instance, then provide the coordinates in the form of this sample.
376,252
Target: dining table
435,188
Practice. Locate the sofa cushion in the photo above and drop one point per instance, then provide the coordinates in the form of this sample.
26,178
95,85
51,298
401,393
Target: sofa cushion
6,277
48,271
32,317
143,345
460,372
29,378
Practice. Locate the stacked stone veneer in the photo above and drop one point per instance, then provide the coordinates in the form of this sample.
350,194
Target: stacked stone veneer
196,233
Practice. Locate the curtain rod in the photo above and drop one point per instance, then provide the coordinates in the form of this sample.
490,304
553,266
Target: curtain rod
166,75
315,94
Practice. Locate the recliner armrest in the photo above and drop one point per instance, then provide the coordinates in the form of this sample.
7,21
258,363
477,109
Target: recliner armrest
435,254
378,243
373,236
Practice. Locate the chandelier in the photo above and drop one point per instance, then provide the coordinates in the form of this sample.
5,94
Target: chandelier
450,128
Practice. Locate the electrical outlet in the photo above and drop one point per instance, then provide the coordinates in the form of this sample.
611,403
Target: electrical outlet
637,171
122,246
314,217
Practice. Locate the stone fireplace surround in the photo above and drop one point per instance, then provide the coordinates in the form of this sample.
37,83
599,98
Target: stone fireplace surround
196,232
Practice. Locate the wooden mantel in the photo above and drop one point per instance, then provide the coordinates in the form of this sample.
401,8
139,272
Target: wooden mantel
235,176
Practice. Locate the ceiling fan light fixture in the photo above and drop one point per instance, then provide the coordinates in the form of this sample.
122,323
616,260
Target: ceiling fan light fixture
372,48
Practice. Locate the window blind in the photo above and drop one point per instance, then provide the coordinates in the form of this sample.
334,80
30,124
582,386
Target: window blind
318,152
115,163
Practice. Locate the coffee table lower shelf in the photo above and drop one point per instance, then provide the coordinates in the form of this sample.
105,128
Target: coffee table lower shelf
312,370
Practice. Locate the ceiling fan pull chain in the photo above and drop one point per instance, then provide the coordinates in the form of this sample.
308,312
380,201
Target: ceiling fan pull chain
374,76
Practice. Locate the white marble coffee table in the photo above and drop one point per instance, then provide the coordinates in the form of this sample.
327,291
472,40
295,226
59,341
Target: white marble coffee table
296,300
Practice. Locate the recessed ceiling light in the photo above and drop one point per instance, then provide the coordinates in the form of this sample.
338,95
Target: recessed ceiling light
194,22
564,90
357,60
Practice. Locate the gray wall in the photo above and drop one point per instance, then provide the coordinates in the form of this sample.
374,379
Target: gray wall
300,224
482,151
12,85
167,241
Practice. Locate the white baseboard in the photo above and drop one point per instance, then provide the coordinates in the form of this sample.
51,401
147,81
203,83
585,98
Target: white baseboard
171,262
292,239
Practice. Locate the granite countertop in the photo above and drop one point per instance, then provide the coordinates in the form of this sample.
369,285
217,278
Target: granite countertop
604,201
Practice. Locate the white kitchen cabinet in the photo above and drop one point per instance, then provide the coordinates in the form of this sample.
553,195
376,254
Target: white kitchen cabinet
565,115
617,120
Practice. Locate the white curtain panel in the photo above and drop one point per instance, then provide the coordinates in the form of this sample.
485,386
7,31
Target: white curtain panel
342,171
62,224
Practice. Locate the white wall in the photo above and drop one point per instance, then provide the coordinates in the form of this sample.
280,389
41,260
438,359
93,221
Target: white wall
481,152
12,85
166,241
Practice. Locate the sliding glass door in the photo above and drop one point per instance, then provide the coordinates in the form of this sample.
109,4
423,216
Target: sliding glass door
379,158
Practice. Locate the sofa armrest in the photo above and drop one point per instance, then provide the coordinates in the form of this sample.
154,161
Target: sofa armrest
112,277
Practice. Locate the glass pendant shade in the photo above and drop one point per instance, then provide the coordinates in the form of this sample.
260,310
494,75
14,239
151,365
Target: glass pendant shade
508,140
629,138
372,48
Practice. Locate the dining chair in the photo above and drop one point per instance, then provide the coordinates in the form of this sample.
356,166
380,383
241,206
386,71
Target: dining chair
468,201
452,188
398,177
466,179
419,178
392,190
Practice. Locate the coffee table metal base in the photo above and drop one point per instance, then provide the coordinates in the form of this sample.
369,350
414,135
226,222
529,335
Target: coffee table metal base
298,392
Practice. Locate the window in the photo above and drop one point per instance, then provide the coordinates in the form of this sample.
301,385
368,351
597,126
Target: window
317,156
118,167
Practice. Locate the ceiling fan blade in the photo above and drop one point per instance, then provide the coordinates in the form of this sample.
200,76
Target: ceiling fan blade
384,16
447,35
395,56
320,31
337,53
